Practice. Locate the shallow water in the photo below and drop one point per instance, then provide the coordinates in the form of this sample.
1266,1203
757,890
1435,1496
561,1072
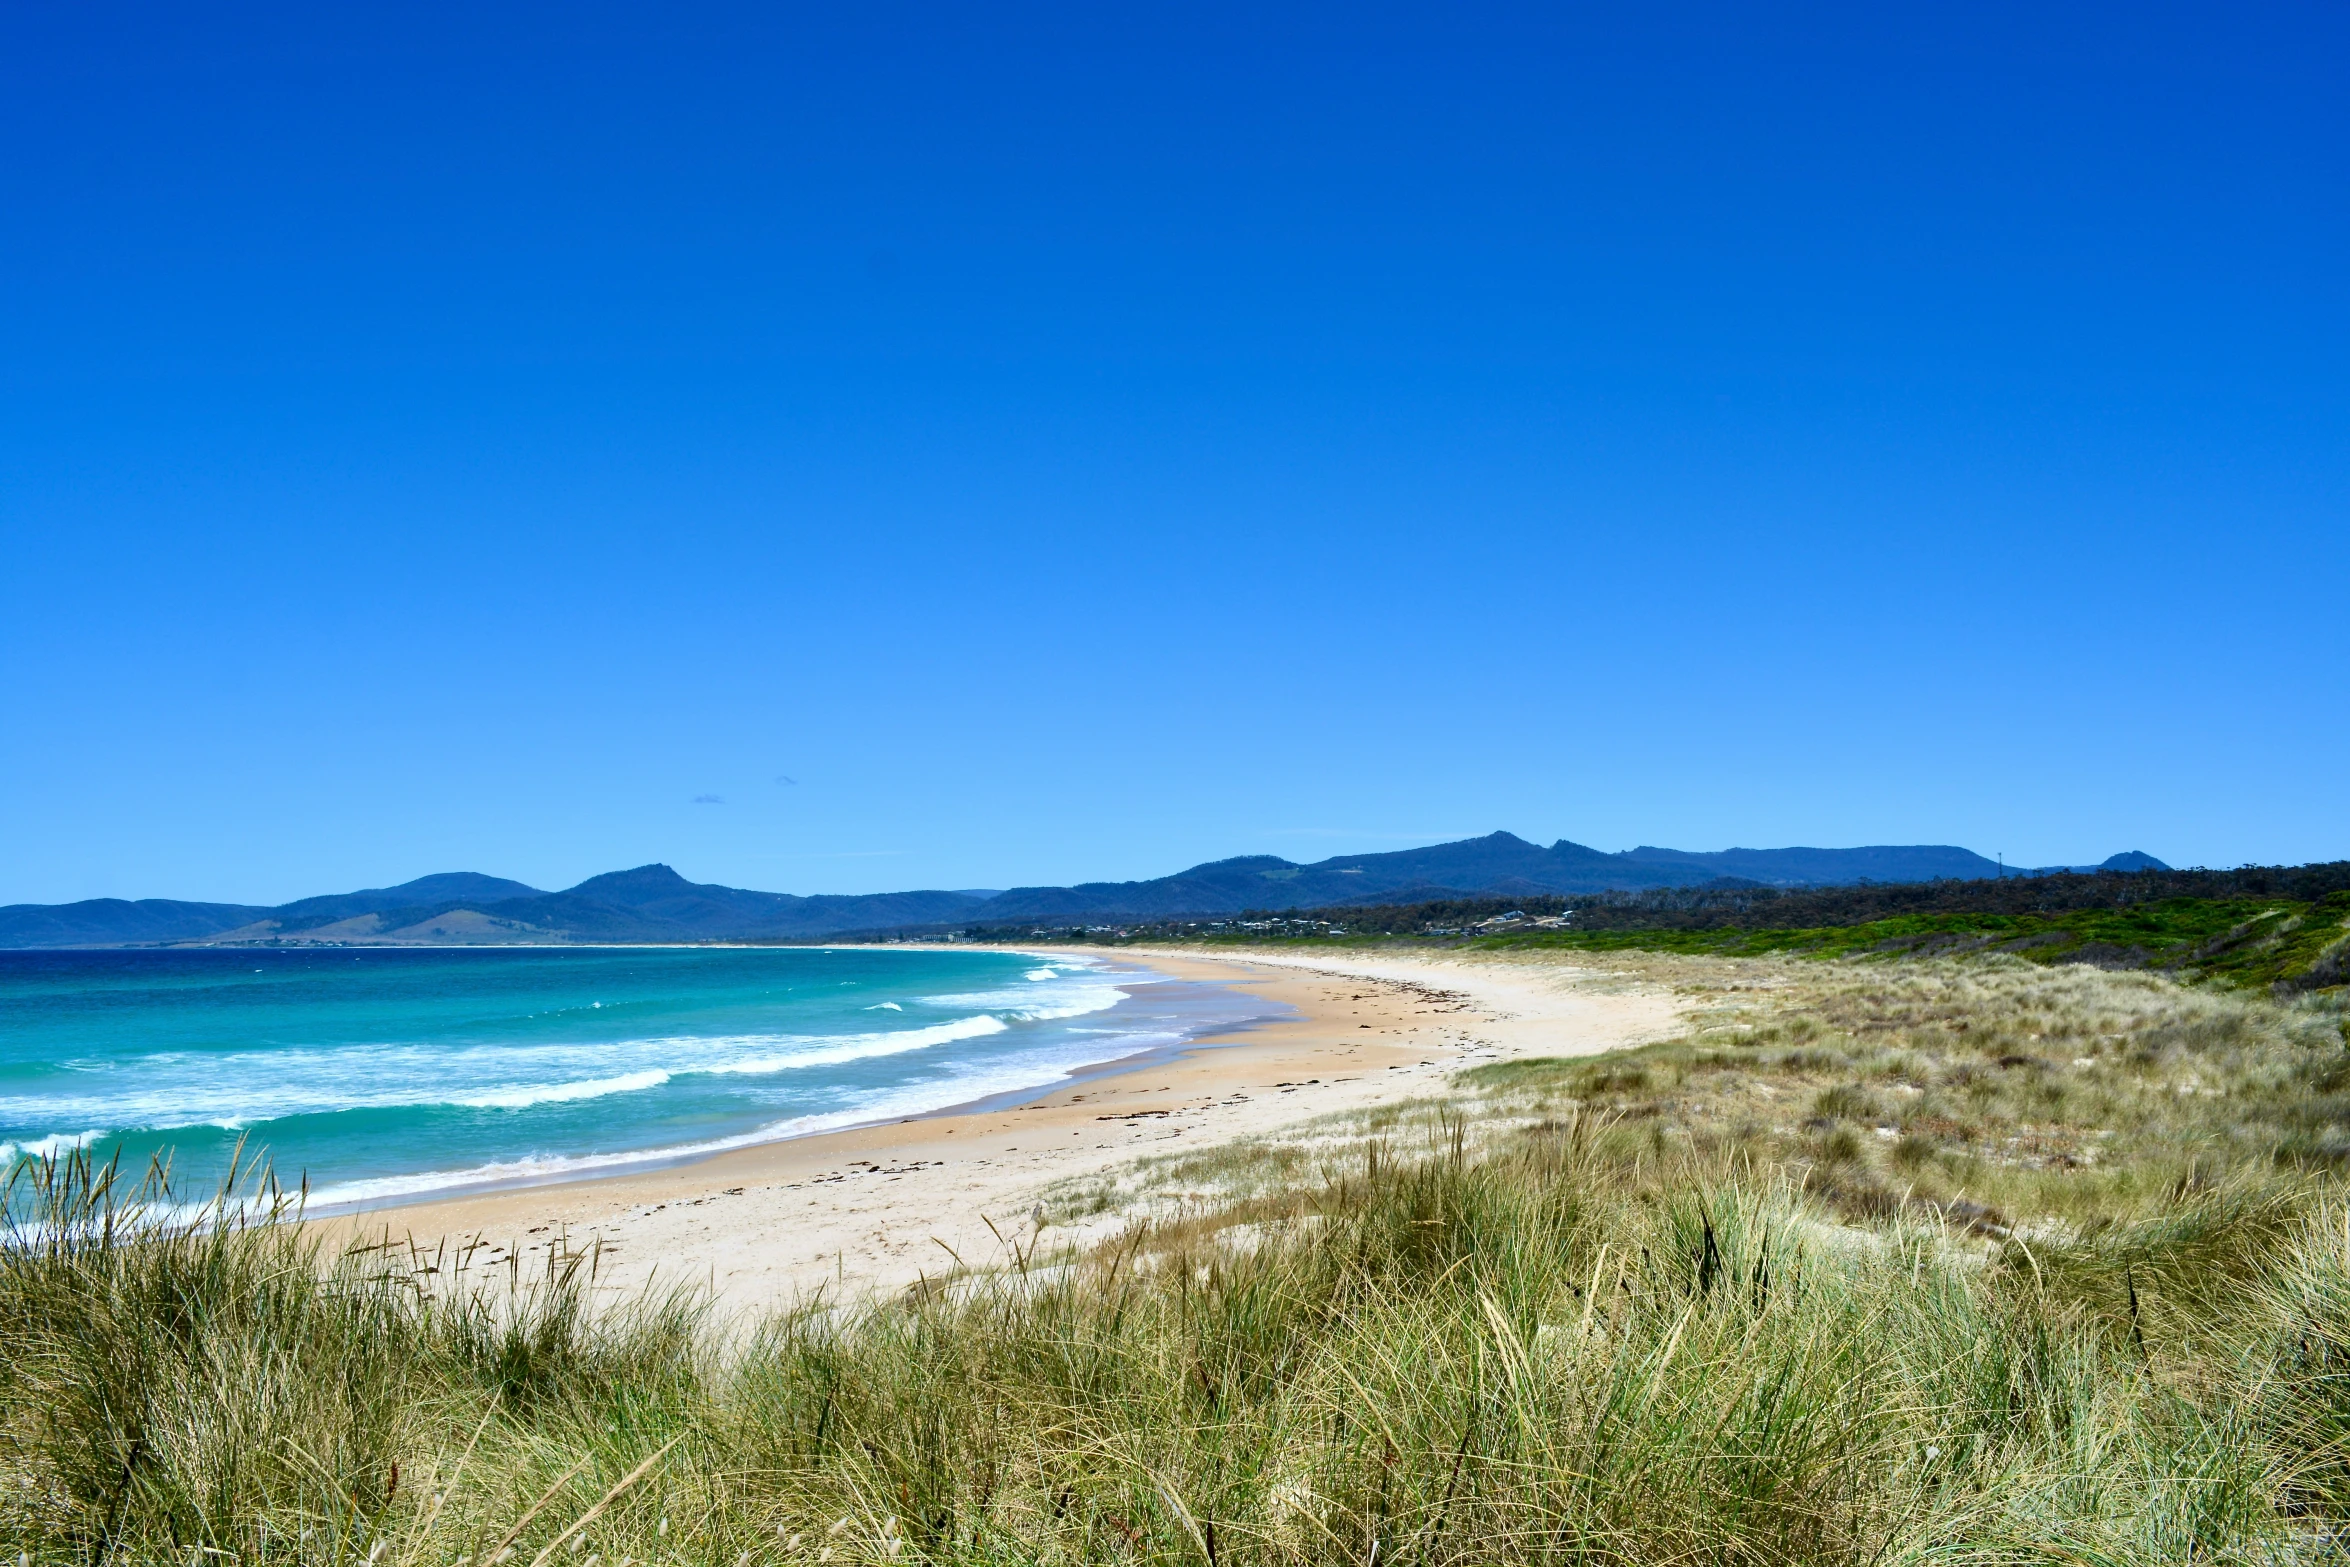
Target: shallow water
377,1074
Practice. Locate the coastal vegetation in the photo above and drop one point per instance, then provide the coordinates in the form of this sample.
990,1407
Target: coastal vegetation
2237,941
2281,926
1952,1259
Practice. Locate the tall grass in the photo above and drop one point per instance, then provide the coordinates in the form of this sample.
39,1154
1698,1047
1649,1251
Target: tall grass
1583,1342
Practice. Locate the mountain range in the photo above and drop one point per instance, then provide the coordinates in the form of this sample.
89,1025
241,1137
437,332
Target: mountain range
653,903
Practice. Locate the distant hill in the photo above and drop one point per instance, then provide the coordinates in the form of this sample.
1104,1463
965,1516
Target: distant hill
652,903
115,922
449,887
1500,863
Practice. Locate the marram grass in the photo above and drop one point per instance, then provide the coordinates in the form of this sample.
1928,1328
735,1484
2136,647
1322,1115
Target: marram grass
1589,1342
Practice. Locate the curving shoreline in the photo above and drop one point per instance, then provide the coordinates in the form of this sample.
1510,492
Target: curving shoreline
880,1206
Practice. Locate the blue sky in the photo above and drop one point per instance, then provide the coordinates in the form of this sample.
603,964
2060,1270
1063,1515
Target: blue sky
1078,442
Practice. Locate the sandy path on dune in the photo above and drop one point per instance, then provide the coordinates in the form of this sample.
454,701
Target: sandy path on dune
880,1206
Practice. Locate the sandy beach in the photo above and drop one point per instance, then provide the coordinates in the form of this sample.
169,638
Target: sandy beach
880,1207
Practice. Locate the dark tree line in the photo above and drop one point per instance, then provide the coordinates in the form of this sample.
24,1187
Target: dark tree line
1719,905
1803,908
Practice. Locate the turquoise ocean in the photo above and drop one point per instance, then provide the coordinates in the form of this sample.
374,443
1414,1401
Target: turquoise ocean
377,1074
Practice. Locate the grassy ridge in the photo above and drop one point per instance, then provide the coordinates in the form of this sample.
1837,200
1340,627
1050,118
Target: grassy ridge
2245,941
1980,1262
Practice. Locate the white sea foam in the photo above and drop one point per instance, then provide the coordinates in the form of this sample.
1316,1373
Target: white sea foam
49,1147
561,1093
1029,1006
291,1083
862,1047
164,1092
1029,1069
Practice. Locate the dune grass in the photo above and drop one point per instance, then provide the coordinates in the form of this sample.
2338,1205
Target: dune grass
1964,1262
2239,941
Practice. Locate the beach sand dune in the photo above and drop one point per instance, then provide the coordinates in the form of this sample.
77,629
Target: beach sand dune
881,1207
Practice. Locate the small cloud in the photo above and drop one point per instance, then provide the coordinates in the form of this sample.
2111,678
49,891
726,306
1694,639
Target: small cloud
791,783
709,799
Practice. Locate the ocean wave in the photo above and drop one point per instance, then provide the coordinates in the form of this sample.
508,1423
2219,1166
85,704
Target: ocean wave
1029,1006
863,1047
49,1147
522,1098
1035,1021
1029,1070
754,1055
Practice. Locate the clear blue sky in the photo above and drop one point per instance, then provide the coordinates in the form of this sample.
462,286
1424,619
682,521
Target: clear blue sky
1079,442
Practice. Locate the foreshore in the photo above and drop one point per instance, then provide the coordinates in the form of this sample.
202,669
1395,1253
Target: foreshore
880,1207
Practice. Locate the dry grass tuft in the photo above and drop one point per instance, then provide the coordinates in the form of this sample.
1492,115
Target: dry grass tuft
1957,1262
